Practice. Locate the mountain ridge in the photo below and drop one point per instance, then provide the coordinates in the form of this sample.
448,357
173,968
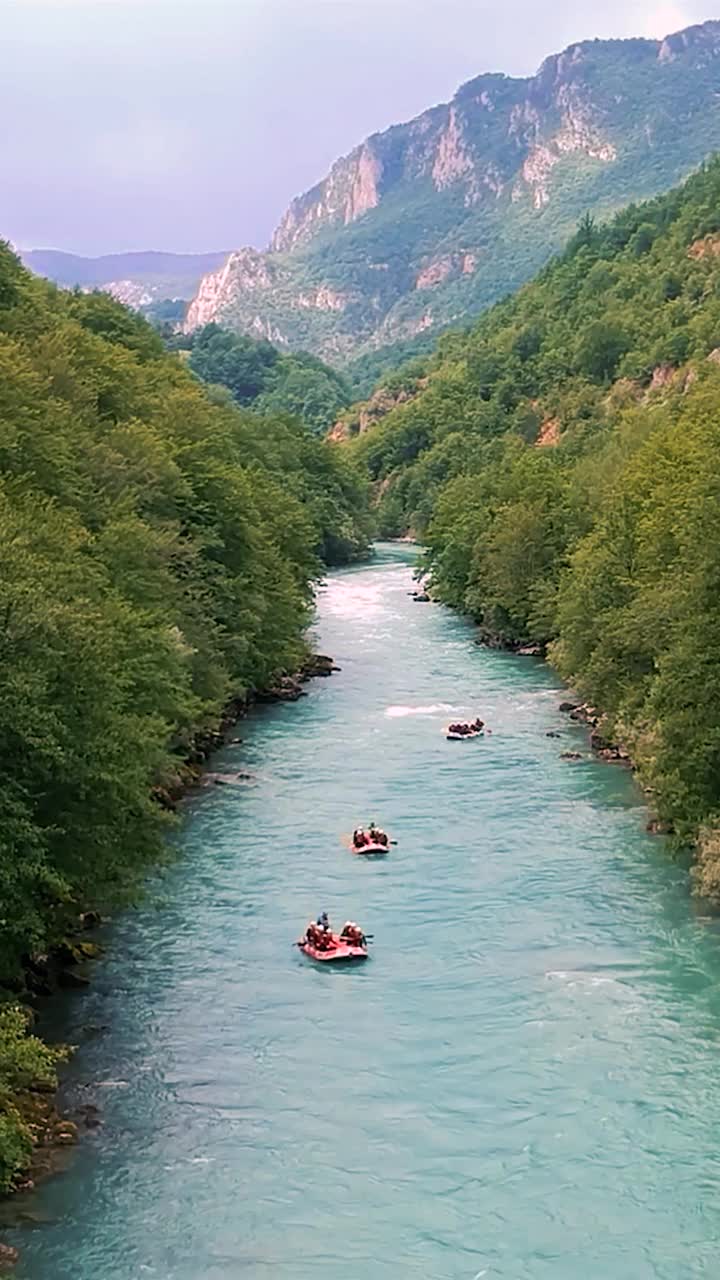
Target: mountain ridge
424,224
137,277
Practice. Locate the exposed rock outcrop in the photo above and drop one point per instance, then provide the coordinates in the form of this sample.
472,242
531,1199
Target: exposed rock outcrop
706,871
453,157
549,433
439,203
445,267
707,247
245,272
362,417
351,189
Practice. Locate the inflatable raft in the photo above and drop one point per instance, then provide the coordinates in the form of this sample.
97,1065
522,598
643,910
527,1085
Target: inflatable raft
341,952
371,850
463,737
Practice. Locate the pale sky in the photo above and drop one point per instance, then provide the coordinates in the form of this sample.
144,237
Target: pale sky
190,124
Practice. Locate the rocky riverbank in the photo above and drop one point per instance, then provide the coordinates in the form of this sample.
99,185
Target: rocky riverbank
706,875
287,687
68,965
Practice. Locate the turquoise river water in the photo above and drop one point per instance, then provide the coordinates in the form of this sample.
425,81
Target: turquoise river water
522,1082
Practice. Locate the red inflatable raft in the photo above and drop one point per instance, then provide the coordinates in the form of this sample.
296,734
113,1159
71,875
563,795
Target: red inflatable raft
371,849
339,953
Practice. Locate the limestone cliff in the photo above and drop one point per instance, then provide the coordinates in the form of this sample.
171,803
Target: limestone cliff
351,189
422,226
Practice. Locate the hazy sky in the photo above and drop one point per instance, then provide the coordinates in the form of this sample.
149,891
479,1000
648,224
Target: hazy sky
189,124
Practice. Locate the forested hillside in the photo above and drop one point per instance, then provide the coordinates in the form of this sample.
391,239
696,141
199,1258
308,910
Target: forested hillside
561,463
157,555
257,374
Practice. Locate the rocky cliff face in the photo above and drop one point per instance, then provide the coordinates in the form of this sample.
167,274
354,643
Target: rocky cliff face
425,224
246,272
351,189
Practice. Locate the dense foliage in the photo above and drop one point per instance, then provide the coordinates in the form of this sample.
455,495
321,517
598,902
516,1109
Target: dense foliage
25,1063
256,373
560,462
166,314
157,553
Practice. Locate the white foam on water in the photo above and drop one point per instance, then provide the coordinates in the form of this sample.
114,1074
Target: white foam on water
395,713
350,598
580,978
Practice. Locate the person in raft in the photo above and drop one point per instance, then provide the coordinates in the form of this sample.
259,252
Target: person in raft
359,838
376,836
319,934
352,934
465,729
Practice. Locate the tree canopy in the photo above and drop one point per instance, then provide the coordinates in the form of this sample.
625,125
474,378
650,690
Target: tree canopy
560,463
256,373
158,548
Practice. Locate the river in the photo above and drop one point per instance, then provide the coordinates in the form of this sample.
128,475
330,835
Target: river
522,1082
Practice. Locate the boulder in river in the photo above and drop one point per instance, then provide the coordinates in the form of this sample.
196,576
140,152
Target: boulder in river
69,953
568,706
318,665
89,1116
286,689
571,755
552,733
531,651
8,1256
65,1133
656,827
585,714
90,919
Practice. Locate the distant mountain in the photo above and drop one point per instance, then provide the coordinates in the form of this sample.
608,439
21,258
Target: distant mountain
138,279
426,224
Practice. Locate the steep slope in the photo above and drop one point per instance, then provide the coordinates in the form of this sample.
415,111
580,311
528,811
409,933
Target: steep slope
137,279
158,550
426,224
560,463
